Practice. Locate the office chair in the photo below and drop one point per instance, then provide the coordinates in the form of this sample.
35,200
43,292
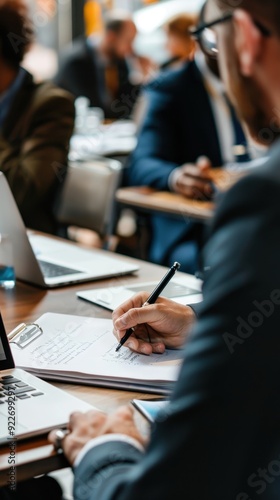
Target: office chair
87,199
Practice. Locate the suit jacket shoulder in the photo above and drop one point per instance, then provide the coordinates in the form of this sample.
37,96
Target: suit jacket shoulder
78,72
35,98
34,145
78,50
177,80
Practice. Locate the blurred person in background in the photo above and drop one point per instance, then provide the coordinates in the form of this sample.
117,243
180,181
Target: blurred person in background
188,128
36,123
179,43
181,48
99,67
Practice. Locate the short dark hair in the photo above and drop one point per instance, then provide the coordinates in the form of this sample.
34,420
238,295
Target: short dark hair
115,21
16,32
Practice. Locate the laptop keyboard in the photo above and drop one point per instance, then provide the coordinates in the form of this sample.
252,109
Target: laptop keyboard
10,385
51,270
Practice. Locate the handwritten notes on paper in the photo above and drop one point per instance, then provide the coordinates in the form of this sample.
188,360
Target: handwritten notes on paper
85,347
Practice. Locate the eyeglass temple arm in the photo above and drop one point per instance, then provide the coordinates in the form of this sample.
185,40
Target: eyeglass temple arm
203,26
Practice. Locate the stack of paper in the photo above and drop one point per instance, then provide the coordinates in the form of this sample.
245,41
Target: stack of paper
82,350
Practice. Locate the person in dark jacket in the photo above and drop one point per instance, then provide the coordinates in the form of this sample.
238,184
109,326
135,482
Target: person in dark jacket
36,124
98,67
187,129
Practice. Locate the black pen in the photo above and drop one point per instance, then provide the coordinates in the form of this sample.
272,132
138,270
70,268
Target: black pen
152,298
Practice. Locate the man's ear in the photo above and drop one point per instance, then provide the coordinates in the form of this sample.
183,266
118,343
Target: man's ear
247,39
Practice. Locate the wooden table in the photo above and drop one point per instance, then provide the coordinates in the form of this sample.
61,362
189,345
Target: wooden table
27,303
150,199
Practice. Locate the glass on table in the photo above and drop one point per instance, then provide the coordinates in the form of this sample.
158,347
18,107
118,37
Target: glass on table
87,140
7,272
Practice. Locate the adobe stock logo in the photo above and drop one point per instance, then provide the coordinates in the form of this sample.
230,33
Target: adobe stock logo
260,480
246,327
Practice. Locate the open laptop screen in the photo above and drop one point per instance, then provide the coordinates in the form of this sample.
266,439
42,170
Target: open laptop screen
6,358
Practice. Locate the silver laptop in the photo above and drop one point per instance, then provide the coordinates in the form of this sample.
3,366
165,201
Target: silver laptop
184,289
28,405
50,262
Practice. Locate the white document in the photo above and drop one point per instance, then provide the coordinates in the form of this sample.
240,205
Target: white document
82,349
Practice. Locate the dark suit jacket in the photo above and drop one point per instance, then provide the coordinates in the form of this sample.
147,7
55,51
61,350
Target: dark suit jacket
179,127
82,73
220,436
34,144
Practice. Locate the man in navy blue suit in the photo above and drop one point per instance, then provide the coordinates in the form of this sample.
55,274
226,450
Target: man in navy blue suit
187,129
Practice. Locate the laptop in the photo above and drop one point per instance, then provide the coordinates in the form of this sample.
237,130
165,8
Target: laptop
51,262
185,289
30,406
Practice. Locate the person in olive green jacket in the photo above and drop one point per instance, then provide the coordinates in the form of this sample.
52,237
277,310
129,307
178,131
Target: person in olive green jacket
36,124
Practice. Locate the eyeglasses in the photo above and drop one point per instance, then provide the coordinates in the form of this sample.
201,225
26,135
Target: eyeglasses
207,38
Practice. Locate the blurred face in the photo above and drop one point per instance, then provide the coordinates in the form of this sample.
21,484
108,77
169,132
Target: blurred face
246,93
121,44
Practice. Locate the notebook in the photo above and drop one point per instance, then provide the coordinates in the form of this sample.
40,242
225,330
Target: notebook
50,262
30,406
184,289
82,350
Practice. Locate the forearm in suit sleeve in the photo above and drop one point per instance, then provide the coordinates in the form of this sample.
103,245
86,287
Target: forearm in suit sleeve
111,460
156,154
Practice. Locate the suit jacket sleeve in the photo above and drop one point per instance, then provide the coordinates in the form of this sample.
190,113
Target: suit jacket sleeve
156,154
222,423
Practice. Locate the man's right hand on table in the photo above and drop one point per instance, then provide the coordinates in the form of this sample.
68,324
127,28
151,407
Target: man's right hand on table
193,180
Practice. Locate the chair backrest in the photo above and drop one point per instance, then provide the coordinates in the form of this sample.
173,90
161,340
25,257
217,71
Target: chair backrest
88,195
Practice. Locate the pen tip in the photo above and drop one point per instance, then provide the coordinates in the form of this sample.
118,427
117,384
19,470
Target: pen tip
177,265
118,348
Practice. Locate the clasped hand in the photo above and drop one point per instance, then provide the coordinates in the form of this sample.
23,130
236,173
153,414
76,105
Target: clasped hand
86,426
194,180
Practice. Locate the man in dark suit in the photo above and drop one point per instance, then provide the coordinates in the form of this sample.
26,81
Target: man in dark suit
185,109
97,68
36,124
219,437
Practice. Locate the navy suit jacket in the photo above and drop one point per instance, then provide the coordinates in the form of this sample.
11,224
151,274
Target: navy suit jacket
219,438
81,73
179,126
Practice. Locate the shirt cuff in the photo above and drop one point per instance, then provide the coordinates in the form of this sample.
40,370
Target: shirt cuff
105,439
172,179
195,308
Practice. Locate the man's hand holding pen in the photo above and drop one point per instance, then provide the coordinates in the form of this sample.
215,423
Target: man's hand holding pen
164,324
160,324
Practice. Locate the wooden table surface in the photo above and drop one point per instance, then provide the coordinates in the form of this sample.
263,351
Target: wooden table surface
27,303
150,199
